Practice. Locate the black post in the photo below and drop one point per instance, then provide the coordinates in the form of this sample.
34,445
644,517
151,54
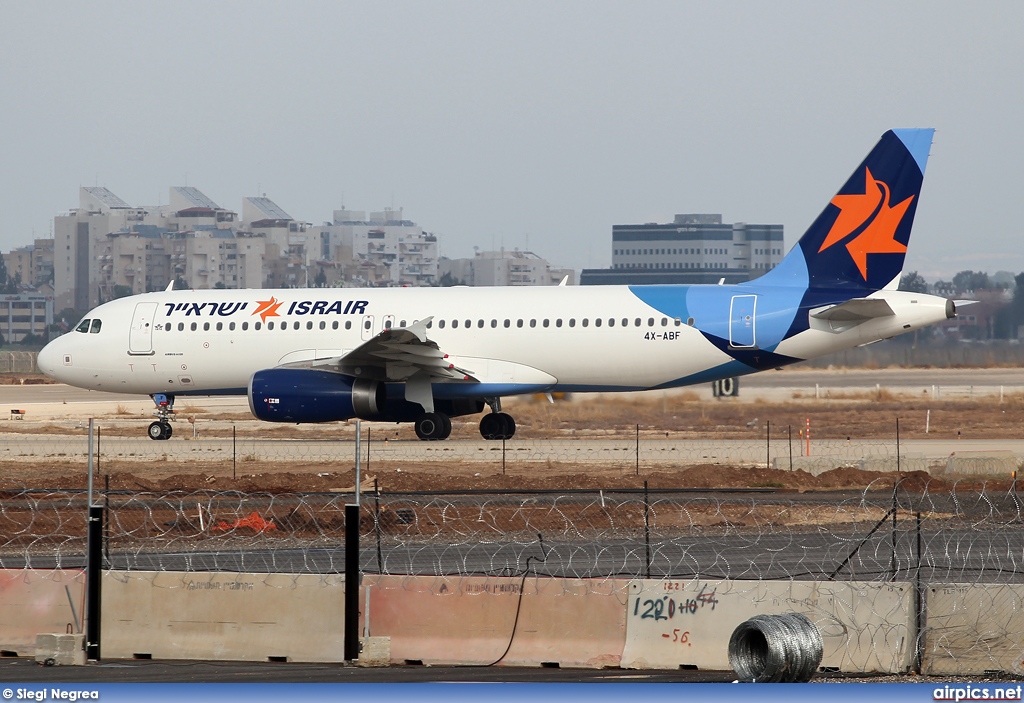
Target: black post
768,444
234,455
647,533
368,431
351,582
790,447
503,455
93,568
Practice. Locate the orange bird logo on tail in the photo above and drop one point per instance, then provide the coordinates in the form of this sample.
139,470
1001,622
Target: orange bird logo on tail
872,212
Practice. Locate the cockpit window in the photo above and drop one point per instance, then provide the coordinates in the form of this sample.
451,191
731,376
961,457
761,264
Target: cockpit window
96,324
83,326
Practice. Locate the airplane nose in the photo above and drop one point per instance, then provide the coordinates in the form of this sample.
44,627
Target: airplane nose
48,359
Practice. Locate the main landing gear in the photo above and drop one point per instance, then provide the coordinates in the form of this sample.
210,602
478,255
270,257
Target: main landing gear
161,429
433,426
496,424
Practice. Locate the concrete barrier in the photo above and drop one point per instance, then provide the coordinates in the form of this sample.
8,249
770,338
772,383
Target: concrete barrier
481,620
35,601
1001,463
681,624
223,616
973,628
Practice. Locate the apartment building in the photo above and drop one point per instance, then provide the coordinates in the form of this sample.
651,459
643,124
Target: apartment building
504,268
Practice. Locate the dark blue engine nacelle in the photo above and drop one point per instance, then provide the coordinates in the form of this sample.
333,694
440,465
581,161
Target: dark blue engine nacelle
308,395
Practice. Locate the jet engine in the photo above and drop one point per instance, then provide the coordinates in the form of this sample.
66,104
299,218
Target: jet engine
308,395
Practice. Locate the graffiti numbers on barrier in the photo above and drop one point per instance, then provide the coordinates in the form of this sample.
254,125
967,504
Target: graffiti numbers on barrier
679,636
666,607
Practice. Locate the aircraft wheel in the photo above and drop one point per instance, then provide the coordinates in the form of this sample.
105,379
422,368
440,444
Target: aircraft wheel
508,426
433,426
156,430
497,426
168,430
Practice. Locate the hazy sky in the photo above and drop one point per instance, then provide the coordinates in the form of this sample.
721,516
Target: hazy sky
535,125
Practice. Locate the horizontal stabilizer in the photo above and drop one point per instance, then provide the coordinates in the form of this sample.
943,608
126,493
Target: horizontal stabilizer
856,310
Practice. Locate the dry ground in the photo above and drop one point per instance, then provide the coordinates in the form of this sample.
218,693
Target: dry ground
869,415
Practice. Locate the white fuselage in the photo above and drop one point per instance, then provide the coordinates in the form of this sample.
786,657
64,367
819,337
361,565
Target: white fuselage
598,338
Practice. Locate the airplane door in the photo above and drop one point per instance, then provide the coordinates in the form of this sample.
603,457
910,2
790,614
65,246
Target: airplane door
367,330
742,322
140,337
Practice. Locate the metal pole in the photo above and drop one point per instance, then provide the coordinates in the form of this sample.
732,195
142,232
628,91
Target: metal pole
351,582
919,604
638,450
359,453
790,447
234,453
647,533
768,444
91,459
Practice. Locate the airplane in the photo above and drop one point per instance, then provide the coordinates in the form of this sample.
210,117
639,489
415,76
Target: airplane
426,355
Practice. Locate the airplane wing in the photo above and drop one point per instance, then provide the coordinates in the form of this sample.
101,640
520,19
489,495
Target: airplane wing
394,355
856,310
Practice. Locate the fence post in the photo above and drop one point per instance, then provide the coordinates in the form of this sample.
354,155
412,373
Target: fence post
351,582
790,447
768,444
638,450
647,534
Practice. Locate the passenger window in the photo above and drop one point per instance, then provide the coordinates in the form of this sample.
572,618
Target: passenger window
572,321
206,327
689,321
440,324
611,321
664,322
546,321
637,322
83,326
348,324
193,327
96,325
181,326
586,322
309,325
245,326
480,323
231,326
323,325
270,325
403,323
368,324
469,323
558,322
430,324
650,322
387,324
519,323
494,323
220,326
284,325
597,322
257,326
508,323
625,322
533,323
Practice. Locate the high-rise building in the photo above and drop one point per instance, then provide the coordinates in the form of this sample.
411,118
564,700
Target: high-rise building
694,248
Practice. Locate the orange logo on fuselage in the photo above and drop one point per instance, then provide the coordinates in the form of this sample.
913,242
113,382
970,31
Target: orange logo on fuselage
267,308
870,210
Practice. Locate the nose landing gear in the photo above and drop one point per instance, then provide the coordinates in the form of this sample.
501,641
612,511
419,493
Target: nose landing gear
161,429
496,424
